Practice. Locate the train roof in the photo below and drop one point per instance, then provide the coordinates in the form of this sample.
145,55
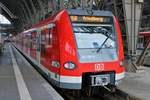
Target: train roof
89,12
82,12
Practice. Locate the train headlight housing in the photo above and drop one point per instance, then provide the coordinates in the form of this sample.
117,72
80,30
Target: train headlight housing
69,65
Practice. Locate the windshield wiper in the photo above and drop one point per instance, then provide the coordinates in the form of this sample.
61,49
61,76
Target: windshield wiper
98,50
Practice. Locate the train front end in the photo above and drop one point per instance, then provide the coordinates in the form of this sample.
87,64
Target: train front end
91,51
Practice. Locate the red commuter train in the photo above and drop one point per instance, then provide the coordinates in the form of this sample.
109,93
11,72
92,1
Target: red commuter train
76,48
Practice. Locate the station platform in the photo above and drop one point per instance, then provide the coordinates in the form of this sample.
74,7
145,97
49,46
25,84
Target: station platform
20,81
137,84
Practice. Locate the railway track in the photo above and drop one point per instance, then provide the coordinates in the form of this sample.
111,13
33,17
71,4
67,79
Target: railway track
118,95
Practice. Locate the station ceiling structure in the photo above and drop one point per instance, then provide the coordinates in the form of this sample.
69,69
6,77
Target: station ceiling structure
22,12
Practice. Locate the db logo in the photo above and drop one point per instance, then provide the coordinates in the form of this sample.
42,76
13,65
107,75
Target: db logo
99,67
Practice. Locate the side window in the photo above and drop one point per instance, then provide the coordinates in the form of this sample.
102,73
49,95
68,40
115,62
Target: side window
50,37
43,38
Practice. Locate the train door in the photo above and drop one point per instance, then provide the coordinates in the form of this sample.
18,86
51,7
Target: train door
38,47
53,52
33,49
50,52
43,48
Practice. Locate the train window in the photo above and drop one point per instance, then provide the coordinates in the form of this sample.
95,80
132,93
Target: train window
34,40
94,33
29,37
95,41
50,37
43,38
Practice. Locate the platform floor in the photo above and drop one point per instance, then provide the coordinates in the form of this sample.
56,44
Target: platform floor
137,84
20,81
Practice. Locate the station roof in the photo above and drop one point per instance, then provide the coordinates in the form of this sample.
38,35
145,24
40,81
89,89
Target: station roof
15,10
16,7
8,6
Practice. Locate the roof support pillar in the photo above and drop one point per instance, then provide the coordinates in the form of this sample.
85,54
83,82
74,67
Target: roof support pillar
132,10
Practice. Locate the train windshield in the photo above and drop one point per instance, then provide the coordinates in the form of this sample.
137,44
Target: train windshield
95,42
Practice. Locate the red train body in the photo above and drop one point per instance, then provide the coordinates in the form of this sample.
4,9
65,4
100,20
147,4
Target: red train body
76,48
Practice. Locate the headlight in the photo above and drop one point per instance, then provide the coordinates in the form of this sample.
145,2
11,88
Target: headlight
69,65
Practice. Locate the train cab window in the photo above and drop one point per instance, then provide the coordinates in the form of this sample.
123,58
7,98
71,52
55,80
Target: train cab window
50,36
95,37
